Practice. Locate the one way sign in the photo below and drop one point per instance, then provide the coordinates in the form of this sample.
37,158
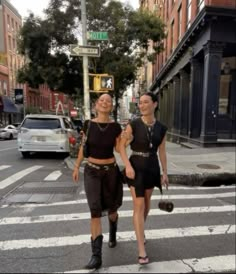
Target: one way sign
77,50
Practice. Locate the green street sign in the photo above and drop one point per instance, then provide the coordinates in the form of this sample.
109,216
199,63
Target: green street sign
101,35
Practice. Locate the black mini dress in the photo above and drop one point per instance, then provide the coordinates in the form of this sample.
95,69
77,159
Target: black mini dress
147,169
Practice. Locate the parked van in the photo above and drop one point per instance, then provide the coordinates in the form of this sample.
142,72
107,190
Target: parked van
45,133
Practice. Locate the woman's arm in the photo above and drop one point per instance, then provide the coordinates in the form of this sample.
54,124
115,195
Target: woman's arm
163,160
117,145
128,167
78,162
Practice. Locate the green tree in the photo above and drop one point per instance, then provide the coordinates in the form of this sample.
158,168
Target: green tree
45,43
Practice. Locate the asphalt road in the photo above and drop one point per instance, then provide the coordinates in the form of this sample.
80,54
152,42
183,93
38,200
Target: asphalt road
44,224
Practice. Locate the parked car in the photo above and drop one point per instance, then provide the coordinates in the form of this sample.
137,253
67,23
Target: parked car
9,132
45,133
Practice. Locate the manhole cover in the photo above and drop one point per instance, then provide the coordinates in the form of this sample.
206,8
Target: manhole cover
208,166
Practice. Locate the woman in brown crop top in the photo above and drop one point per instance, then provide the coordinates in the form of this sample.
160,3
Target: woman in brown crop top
103,187
142,170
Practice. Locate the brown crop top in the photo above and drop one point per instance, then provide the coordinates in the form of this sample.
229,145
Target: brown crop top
101,138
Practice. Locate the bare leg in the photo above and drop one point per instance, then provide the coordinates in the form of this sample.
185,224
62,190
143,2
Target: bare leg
138,220
147,199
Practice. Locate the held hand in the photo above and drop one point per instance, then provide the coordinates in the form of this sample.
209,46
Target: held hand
75,175
165,180
130,173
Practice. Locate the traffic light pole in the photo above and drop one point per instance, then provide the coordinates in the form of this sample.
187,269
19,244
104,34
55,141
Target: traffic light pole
85,62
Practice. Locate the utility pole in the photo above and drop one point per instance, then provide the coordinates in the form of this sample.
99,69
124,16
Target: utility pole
85,62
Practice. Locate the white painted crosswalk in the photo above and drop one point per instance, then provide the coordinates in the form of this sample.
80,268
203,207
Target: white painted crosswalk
205,265
17,176
153,234
43,231
122,213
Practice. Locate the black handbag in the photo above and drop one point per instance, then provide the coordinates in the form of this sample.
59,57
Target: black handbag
84,142
165,205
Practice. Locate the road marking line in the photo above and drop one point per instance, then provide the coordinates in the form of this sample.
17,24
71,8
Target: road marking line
223,263
128,199
8,148
4,167
17,176
53,176
121,236
126,188
122,213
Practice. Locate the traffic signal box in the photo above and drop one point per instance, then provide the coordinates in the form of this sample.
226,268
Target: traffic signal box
103,83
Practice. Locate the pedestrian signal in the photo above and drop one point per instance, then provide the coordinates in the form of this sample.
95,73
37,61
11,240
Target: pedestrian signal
97,83
107,82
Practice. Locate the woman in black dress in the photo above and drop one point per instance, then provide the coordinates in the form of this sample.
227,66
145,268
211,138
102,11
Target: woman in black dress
147,141
102,183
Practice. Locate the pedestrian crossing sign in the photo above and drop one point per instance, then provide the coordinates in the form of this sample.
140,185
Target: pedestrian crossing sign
107,82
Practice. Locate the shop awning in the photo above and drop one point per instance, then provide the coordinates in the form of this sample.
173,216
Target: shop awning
8,105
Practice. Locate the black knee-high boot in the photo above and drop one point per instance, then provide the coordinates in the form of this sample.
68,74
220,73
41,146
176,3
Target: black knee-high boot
96,258
112,232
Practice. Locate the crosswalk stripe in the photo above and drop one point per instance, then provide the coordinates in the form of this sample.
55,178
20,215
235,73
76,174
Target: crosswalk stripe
122,213
5,149
17,176
224,263
53,176
153,234
187,188
4,167
128,198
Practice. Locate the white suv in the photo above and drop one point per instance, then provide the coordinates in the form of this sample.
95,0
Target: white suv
45,133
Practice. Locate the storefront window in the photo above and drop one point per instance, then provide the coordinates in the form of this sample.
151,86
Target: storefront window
227,66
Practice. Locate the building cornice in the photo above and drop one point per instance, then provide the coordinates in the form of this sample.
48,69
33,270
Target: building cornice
10,7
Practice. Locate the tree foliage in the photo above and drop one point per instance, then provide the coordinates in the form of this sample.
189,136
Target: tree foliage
45,44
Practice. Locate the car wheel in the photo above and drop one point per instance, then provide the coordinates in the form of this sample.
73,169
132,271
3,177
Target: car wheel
10,137
25,154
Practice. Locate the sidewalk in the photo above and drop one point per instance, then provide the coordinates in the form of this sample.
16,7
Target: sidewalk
194,166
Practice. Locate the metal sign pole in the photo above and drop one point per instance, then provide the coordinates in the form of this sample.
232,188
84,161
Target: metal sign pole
85,62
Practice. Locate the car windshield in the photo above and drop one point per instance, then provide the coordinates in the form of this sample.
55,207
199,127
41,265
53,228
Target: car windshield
39,123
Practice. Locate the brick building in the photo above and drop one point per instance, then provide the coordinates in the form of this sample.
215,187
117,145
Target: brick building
10,61
39,100
195,76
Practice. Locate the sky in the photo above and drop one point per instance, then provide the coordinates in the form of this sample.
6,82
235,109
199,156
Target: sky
37,7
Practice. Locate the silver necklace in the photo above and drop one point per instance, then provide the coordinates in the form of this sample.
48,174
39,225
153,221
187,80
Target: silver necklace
149,131
102,128
149,124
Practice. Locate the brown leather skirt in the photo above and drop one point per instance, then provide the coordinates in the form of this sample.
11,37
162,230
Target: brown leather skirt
103,188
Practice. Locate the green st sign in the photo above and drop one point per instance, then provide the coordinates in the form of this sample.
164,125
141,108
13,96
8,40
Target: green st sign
101,35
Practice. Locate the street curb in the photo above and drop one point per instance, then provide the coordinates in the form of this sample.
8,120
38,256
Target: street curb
205,179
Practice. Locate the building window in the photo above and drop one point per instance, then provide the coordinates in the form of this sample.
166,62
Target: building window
189,12
179,22
12,24
9,42
227,67
172,36
8,21
4,88
200,4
